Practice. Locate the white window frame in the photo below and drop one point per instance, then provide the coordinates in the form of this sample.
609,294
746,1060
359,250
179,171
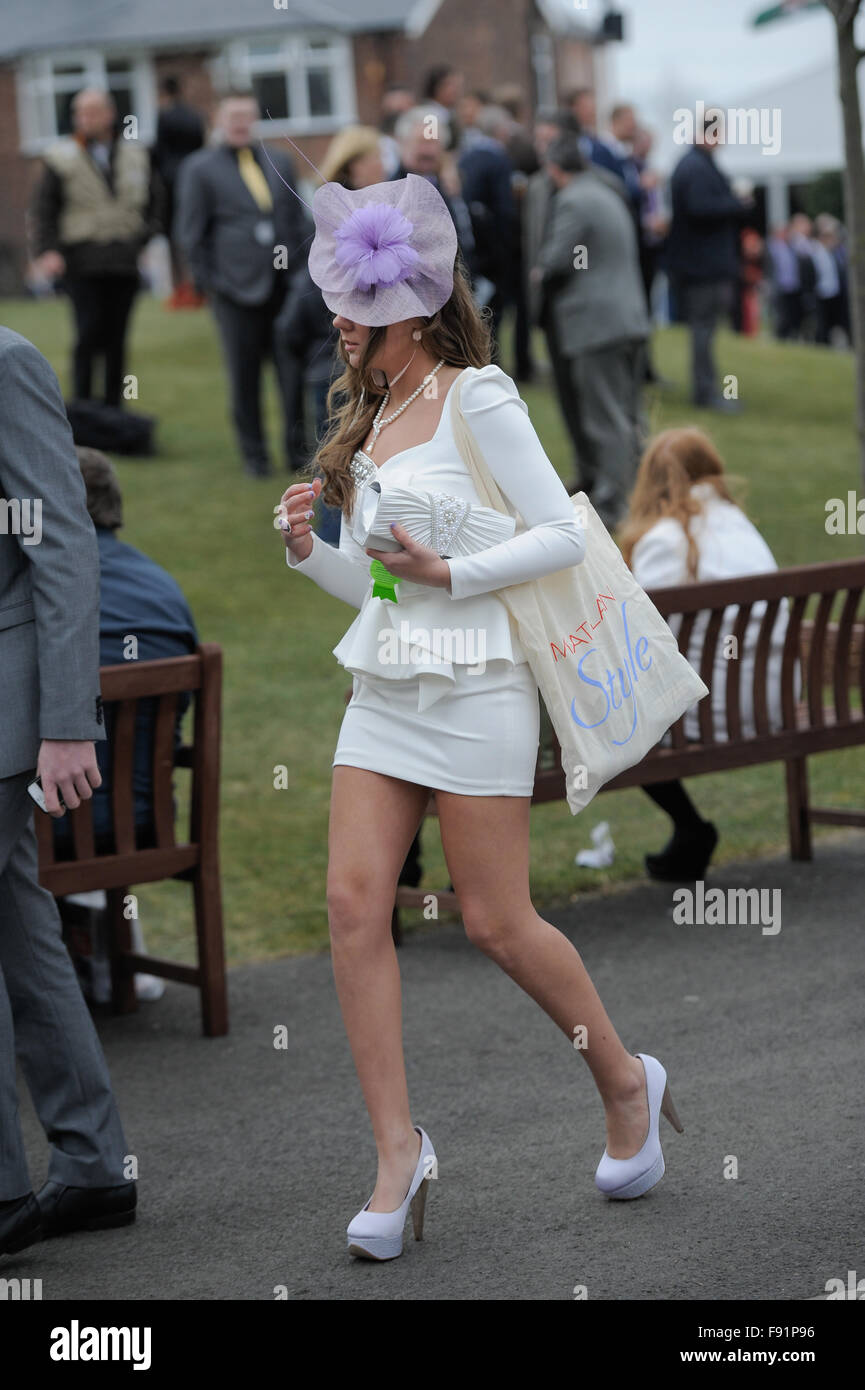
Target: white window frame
543,60
35,78
293,56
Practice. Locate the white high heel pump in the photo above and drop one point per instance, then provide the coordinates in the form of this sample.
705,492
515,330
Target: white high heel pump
377,1235
631,1177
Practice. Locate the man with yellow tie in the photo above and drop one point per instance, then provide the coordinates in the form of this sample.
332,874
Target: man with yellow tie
244,233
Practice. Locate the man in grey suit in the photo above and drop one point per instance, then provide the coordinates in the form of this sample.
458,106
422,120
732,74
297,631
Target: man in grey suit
244,233
537,212
52,713
585,281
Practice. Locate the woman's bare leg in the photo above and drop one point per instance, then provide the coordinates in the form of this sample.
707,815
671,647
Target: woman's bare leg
486,844
373,820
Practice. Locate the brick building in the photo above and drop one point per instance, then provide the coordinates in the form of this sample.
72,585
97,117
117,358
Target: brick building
315,66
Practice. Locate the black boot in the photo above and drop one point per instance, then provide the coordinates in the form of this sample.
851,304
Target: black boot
686,857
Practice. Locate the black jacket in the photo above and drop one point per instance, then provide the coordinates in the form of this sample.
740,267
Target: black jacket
305,326
461,218
486,183
179,132
707,216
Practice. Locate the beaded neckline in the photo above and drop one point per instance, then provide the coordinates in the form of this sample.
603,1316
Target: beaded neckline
366,467
362,467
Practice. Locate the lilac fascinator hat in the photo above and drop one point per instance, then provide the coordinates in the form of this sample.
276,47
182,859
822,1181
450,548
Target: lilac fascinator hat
384,253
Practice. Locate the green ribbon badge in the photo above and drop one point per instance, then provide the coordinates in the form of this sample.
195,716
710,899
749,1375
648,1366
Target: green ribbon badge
385,582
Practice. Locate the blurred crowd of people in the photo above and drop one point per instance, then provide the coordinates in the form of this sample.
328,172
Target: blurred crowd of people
563,226
808,272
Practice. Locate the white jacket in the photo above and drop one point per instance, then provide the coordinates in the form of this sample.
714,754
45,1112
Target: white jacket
729,546
548,538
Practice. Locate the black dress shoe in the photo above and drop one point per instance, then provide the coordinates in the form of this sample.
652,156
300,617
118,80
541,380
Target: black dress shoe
66,1209
20,1224
686,857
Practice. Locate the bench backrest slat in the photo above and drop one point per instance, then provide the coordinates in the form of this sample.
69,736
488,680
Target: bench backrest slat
707,668
761,666
790,660
677,732
816,661
841,664
163,768
82,830
733,693
122,762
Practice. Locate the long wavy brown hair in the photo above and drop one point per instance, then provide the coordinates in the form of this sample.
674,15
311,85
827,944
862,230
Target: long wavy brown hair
672,463
458,332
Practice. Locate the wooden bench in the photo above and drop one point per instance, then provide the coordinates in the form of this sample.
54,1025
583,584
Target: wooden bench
195,860
829,648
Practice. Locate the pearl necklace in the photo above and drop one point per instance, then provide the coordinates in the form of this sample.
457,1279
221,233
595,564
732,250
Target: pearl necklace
378,424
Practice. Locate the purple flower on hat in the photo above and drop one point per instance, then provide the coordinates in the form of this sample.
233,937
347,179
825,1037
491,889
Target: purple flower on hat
384,253
374,242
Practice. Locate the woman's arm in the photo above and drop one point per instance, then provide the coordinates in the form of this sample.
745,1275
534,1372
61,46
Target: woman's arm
499,420
333,571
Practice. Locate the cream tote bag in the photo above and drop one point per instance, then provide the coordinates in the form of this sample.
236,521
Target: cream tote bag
607,665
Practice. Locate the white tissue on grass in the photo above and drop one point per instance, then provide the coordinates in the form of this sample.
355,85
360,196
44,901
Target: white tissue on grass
604,852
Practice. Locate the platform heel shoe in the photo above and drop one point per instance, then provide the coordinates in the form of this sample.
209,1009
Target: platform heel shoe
377,1235
631,1177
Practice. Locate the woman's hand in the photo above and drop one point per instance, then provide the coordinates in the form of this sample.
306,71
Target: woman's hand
297,502
416,562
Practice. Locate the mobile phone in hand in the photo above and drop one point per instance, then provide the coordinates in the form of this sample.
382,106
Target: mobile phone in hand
35,791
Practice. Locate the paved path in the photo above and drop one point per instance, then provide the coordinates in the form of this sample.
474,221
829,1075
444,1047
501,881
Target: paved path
254,1159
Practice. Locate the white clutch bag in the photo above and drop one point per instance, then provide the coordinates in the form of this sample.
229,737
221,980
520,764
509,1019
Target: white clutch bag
449,525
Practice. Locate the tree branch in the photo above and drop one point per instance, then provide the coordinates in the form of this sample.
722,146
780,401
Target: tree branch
844,11
849,11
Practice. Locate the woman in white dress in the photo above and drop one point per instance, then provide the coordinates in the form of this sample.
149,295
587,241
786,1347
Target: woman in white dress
457,716
683,526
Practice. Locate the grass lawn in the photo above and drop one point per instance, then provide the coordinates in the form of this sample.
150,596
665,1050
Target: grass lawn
196,513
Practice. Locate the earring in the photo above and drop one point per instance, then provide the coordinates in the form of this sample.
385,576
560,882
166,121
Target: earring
417,335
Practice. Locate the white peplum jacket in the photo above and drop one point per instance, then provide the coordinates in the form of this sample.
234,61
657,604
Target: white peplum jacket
547,538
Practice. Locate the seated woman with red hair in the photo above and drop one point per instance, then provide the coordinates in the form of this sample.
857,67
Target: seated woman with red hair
683,526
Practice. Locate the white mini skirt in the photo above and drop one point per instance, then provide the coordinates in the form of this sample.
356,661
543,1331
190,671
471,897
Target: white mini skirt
479,739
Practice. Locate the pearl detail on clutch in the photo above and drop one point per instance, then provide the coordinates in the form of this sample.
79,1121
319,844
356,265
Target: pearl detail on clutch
448,515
